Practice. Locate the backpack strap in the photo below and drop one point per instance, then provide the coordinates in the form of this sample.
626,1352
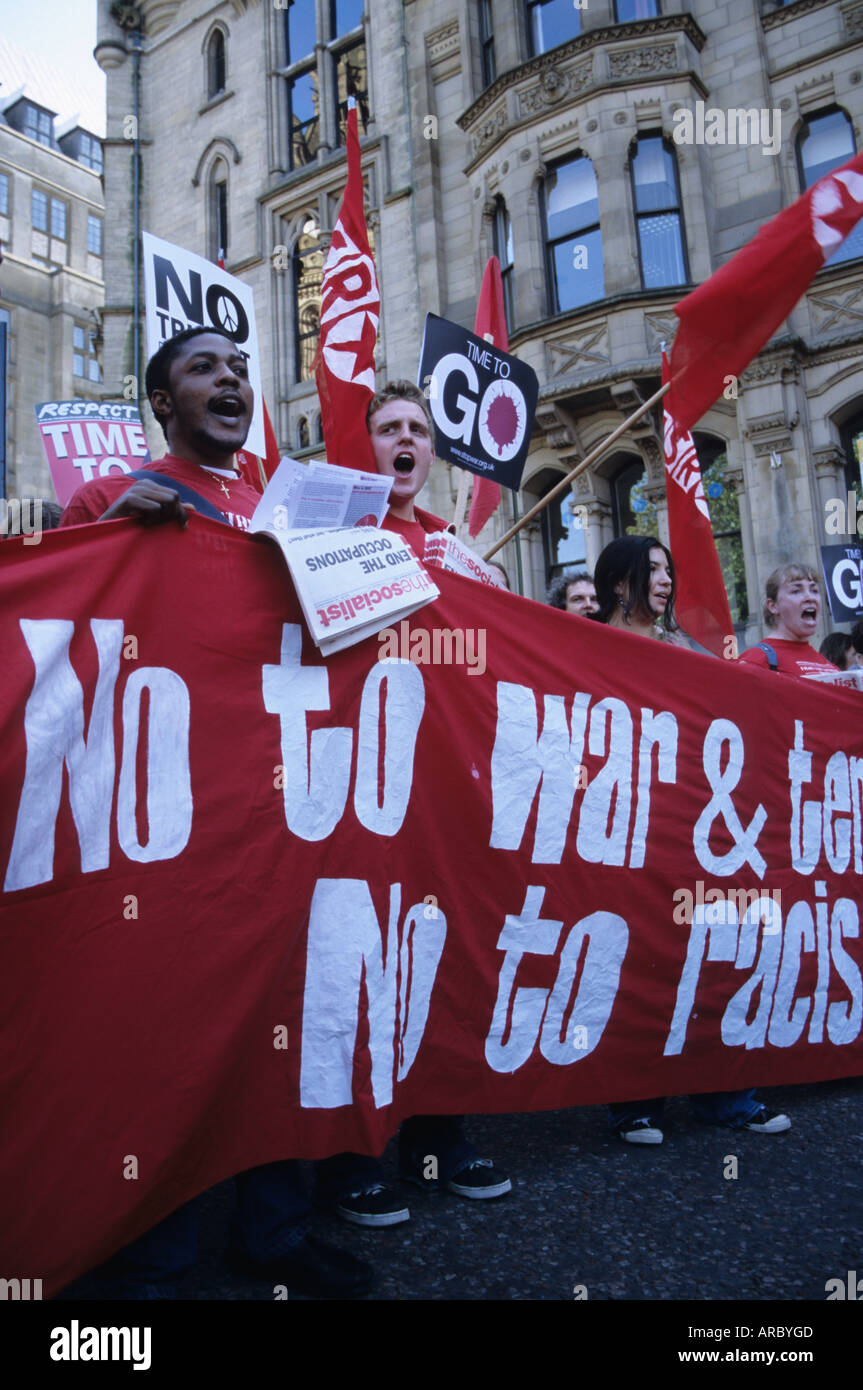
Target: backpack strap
772,659
185,493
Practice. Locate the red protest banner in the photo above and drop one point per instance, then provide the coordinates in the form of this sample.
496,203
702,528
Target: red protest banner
89,439
257,905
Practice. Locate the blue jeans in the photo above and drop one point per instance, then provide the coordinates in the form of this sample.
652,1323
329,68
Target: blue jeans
733,1108
272,1208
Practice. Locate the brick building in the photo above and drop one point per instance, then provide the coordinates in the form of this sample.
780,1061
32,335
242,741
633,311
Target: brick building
545,131
52,238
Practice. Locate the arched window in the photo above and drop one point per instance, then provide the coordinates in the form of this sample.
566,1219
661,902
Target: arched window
564,539
657,214
552,22
216,63
503,249
303,433
573,237
824,142
308,263
633,514
486,43
217,194
724,511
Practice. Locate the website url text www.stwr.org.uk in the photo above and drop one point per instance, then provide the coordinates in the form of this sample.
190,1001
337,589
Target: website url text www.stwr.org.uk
767,1356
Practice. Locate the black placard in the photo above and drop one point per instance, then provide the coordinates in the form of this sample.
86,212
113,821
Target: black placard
843,578
482,400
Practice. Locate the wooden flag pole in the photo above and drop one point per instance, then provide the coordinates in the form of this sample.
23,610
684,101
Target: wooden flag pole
579,468
461,501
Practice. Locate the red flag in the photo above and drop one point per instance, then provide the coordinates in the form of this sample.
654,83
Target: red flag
490,323
350,305
259,471
701,602
728,319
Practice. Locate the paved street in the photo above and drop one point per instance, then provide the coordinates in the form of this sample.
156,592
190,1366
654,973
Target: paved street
625,1222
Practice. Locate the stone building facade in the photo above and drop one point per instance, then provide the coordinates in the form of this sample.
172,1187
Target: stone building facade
52,240
553,134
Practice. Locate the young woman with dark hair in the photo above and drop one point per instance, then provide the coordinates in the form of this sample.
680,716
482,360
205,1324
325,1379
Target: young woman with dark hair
635,587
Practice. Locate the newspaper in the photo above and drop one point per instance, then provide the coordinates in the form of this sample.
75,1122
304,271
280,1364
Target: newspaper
444,551
351,577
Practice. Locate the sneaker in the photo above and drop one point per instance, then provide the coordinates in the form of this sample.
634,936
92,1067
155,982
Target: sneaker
375,1205
315,1267
766,1121
479,1179
641,1131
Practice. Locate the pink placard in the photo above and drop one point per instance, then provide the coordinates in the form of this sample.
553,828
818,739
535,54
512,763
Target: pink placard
90,439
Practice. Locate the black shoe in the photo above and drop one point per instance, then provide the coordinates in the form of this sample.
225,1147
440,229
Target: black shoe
766,1121
479,1179
374,1205
317,1268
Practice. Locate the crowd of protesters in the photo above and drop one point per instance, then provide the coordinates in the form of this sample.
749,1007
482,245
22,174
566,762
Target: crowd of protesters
199,391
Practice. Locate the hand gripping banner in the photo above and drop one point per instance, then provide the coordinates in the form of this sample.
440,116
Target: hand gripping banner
258,905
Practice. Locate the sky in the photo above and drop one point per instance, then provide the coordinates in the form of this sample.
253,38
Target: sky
63,31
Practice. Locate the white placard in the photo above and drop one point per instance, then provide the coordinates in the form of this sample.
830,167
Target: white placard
182,290
305,496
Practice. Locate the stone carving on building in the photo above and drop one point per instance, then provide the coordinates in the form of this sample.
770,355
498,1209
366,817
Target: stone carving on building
157,15
587,346
443,50
853,16
770,433
635,62
841,307
554,84
660,328
490,130
773,368
557,431
829,461
584,44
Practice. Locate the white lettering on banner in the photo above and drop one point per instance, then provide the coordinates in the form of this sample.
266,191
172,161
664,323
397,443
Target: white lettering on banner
523,760
722,781
317,766
54,732
717,936
346,951
836,822
520,1013
169,780
396,725
610,788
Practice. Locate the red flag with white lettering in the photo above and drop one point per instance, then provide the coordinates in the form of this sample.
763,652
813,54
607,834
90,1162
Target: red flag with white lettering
701,602
728,319
350,307
490,323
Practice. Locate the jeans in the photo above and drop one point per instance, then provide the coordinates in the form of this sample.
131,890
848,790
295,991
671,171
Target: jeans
733,1108
272,1208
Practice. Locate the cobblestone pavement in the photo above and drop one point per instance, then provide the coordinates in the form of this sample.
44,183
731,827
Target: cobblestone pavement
591,1216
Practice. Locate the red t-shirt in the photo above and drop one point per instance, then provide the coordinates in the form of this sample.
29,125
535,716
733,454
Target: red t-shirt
794,658
414,532
94,498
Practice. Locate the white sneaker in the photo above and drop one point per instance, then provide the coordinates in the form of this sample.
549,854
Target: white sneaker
641,1132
